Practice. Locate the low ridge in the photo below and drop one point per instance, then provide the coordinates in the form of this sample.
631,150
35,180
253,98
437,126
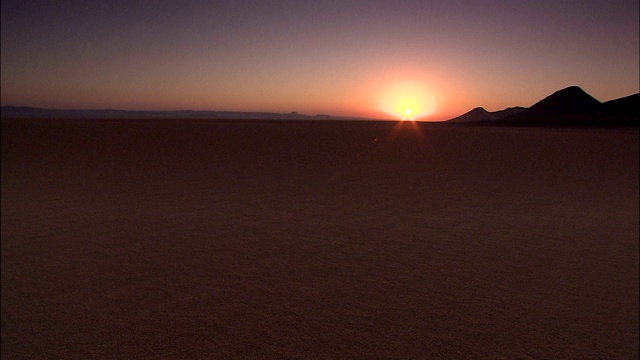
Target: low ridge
475,115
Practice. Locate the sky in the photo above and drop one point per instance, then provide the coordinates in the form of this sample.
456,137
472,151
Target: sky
377,59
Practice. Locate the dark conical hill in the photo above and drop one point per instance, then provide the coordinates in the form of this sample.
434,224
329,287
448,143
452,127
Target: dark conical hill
570,100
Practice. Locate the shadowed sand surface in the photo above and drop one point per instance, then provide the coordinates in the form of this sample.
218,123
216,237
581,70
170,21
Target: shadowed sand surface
195,239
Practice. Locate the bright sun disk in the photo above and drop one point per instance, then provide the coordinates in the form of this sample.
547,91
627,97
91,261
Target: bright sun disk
407,101
407,115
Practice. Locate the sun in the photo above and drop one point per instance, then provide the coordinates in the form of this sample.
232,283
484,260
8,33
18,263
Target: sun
407,101
407,115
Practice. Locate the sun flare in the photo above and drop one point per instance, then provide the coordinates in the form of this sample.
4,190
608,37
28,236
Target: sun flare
407,101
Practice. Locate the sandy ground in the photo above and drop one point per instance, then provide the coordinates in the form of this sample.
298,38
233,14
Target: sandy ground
236,240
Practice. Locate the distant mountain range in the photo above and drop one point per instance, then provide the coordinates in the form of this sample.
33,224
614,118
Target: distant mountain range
40,113
567,107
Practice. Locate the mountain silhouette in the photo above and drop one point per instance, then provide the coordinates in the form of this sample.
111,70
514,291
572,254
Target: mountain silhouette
625,105
502,114
570,100
479,114
475,115
571,106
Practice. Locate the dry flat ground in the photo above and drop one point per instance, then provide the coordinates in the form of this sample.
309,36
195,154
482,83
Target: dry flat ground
247,239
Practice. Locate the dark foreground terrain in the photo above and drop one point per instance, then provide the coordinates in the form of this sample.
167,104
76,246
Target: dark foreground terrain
234,240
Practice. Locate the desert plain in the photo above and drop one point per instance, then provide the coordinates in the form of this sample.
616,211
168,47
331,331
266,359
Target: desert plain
166,239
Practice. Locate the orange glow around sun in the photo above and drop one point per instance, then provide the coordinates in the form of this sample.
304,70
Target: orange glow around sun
407,101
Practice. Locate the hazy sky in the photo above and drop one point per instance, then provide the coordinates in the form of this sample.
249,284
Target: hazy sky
361,58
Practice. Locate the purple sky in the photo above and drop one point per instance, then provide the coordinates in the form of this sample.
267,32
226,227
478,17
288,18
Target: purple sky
360,58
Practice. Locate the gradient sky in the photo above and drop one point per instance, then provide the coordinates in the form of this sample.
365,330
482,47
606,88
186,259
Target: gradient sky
355,58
